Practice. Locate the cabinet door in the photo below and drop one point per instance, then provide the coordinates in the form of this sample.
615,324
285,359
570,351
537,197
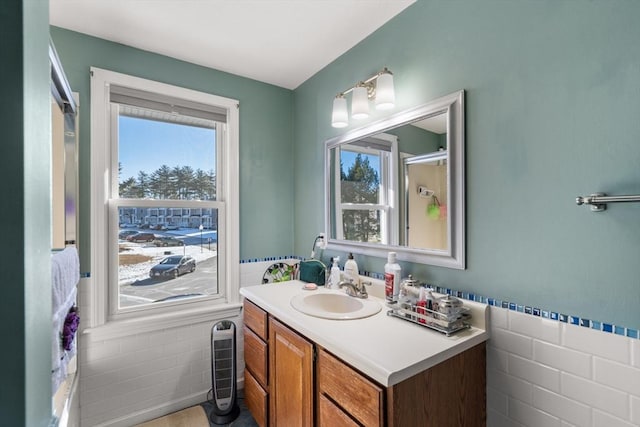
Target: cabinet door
290,377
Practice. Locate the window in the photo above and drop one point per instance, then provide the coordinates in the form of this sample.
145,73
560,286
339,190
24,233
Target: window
364,198
164,208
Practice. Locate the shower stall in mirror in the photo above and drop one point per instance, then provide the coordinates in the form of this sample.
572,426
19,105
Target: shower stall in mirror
426,199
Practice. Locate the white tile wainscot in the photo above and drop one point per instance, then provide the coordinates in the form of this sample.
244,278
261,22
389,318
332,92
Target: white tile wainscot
542,373
131,379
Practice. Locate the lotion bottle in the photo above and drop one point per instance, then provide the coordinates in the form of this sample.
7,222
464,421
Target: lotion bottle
392,273
351,270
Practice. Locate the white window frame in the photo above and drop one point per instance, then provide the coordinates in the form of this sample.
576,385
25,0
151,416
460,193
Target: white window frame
103,319
388,206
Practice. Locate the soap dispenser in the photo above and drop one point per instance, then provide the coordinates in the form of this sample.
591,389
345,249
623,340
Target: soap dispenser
351,270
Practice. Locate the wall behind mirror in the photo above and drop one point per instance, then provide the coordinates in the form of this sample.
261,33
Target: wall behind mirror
398,184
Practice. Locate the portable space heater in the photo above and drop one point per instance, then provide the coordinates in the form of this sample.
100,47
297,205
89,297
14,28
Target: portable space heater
223,373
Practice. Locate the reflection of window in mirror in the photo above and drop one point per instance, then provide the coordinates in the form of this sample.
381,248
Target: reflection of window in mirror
365,200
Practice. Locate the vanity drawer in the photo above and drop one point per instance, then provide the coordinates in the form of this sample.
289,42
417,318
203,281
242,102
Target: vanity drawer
331,415
256,319
256,356
354,393
256,399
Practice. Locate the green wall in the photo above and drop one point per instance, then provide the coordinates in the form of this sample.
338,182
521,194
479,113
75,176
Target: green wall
25,306
552,107
266,175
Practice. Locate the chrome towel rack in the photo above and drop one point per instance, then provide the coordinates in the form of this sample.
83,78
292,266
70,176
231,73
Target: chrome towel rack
598,201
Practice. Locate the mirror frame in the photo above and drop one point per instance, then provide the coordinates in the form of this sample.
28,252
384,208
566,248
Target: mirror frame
454,256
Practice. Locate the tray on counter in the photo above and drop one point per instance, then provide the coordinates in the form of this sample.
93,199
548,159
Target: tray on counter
445,323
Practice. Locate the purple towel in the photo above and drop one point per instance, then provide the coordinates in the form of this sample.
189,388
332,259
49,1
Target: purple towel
69,329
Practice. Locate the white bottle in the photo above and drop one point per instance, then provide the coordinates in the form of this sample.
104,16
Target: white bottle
334,276
351,270
392,277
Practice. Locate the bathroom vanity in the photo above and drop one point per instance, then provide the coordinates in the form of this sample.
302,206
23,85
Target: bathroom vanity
379,370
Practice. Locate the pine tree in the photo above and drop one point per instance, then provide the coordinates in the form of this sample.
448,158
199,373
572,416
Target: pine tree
360,185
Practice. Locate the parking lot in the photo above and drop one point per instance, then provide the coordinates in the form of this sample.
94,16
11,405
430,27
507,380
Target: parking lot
137,288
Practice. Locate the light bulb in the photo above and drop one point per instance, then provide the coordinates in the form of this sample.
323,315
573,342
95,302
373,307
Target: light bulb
385,95
339,116
360,103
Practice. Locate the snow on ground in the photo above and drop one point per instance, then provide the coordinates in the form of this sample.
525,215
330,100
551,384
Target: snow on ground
131,273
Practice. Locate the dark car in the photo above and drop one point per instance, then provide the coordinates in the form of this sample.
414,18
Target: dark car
142,237
172,267
126,233
167,241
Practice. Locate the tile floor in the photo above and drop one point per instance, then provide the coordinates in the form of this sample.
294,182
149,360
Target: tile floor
244,419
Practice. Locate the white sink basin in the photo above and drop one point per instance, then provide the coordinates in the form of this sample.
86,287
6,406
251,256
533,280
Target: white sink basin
334,306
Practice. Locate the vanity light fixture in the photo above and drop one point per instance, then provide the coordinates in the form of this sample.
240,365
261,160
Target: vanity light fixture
378,88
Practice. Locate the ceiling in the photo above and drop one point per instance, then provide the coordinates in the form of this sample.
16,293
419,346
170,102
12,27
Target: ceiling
281,42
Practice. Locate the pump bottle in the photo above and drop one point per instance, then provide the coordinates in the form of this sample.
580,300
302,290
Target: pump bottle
351,270
334,276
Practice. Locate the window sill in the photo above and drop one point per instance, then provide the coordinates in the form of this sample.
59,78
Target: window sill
156,322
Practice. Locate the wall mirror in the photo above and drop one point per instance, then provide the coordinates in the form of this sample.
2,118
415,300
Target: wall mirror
64,156
397,184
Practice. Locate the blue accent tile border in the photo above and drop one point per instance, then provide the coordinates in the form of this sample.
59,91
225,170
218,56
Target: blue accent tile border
546,314
535,311
532,311
272,258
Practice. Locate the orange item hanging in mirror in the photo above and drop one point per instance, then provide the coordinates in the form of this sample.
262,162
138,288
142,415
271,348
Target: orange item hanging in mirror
443,211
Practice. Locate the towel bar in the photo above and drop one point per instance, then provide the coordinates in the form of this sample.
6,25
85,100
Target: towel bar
598,201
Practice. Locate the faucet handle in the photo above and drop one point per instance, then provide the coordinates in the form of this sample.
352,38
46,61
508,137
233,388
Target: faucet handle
362,292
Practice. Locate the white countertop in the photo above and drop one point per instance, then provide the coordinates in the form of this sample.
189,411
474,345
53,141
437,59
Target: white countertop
387,349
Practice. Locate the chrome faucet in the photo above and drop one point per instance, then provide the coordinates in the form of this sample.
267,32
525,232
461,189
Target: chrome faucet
353,289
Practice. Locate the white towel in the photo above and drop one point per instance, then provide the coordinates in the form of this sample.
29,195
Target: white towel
65,275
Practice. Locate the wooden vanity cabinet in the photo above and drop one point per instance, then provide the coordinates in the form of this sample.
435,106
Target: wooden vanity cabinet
256,353
449,394
279,378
